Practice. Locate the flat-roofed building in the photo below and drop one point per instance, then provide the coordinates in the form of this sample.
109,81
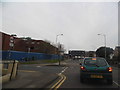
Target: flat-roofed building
76,54
26,44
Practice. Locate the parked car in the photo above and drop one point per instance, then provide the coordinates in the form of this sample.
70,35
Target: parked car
95,68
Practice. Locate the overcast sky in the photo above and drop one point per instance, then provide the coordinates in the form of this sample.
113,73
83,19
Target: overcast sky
80,22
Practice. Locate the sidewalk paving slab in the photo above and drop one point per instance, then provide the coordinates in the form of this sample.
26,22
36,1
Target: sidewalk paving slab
30,80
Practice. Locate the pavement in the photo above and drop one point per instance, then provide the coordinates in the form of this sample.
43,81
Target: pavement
114,67
32,79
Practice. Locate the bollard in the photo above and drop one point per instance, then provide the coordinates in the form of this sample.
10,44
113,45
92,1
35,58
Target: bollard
10,66
14,73
1,67
10,72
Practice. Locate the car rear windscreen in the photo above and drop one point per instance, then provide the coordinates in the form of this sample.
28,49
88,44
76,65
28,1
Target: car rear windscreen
95,62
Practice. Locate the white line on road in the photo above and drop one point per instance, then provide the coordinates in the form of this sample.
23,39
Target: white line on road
59,73
38,66
116,83
64,70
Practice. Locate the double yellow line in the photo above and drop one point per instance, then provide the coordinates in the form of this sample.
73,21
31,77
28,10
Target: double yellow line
59,83
26,71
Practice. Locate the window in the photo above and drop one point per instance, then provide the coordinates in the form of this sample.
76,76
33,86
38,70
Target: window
97,62
38,42
33,43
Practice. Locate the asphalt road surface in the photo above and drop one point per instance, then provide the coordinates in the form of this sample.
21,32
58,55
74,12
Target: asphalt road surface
72,74
43,69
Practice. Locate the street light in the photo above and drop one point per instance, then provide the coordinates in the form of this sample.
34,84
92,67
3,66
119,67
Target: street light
56,44
57,37
56,40
104,42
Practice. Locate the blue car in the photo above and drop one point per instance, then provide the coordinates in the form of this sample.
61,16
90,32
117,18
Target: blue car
95,68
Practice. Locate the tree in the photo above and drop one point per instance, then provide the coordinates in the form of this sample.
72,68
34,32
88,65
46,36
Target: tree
26,38
100,52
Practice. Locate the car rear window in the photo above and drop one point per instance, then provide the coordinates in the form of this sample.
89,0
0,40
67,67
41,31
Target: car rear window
95,62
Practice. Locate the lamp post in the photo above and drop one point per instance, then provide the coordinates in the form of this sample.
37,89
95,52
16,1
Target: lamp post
56,40
56,44
104,42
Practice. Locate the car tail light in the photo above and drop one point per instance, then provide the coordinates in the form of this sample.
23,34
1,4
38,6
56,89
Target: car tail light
82,68
110,69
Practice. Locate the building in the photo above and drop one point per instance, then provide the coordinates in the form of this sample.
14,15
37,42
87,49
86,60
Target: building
76,54
26,44
90,54
117,51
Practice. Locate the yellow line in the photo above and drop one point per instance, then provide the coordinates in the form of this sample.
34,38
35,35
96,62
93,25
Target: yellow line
23,70
57,82
26,71
61,82
4,69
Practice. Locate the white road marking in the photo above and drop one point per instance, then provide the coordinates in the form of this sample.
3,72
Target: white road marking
31,86
60,73
63,70
116,83
38,66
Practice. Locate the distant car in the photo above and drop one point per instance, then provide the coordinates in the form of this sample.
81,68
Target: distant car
95,68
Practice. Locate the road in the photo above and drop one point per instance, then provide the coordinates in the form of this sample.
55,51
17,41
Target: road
35,75
72,74
53,69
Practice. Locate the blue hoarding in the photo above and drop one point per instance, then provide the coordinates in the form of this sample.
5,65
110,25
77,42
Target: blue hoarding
24,56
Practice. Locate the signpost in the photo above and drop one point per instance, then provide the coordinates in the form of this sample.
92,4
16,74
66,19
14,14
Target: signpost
11,44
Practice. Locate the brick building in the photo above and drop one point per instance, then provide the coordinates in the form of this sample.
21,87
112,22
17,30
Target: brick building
26,45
